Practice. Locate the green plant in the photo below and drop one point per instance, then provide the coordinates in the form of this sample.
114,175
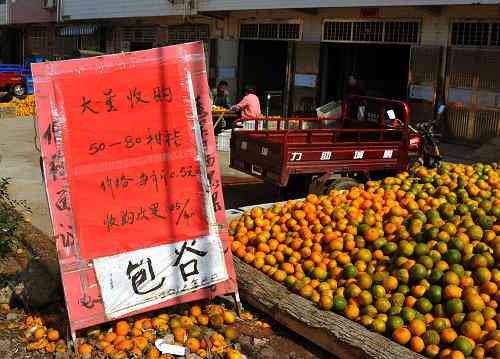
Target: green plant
10,217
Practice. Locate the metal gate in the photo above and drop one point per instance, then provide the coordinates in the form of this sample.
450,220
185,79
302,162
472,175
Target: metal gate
425,66
472,93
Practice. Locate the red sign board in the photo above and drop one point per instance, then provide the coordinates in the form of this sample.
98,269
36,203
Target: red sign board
133,181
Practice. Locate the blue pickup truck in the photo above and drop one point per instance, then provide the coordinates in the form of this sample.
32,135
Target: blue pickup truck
25,72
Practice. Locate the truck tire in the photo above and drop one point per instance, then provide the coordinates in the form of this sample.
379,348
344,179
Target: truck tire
19,90
343,183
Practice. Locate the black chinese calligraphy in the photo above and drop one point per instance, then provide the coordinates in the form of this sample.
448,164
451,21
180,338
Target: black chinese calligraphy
135,97
162,94
49,134
202,113
166,138
214,183
183,211
177,211
89,302
56,166
190,267
142,273
202,117
65,236
109,100
152,180
87,105
62,202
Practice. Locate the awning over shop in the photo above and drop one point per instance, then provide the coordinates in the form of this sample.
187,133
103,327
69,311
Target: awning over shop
77,30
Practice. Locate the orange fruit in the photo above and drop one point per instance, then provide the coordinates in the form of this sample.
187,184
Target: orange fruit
101,344
140,342
136,353
179,335
149,336
153,353
448,335
352,311
122,328
193,345
125,345
401,335
390,283
118,339
417,327
471,329
431,350
229,317
52,335
456,354
417,344
50,347
85,349
203,319
40,333
196,311
110,337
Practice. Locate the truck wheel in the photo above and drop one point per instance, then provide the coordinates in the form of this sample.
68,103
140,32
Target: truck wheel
19,90
343,183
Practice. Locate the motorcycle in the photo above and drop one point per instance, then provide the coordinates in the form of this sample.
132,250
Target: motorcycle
431,154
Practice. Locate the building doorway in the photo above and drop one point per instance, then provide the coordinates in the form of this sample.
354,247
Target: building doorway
263,64
382,69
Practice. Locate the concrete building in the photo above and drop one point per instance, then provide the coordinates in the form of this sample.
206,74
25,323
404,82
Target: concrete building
300,53
16,20
425,54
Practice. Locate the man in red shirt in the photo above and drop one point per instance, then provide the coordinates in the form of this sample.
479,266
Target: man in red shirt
249,105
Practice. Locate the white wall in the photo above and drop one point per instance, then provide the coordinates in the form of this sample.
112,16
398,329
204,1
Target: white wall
221,5
435,23
102,9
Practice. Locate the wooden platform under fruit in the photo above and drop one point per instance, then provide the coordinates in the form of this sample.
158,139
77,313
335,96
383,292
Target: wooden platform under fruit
334,333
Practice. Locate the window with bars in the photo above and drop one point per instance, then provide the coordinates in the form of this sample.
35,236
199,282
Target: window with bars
271,31
337,31
140,34
369,31
376,31
179,34
90,42
249,31
401,31
475,34
39,38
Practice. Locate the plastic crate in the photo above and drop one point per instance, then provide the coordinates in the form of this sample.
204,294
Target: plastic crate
224,141
332,110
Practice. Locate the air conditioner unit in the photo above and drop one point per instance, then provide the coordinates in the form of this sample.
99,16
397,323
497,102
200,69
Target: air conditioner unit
49,4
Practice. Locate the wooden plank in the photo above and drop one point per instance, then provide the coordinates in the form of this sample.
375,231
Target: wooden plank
334,333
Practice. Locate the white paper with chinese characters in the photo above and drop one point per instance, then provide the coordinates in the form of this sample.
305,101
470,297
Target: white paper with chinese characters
135,280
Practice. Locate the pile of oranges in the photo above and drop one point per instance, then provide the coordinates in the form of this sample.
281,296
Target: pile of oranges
38,337
204,331
22,107
415,258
